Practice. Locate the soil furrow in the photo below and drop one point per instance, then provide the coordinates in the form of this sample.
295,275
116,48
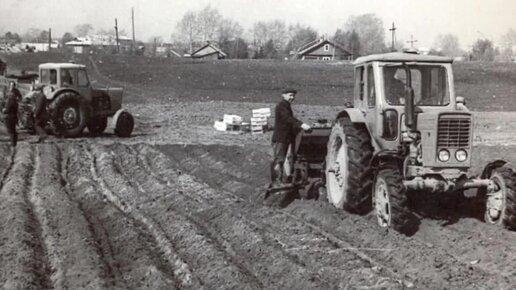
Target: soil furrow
23,254
132,253
70,246
109,185
388,258
284,240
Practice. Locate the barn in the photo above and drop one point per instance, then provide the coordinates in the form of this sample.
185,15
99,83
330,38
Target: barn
208,51
323,49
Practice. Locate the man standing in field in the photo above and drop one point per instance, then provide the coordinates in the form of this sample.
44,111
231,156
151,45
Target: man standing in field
40,114
285,128
11,112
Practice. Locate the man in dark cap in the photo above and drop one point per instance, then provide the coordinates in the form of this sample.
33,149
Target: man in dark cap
11,112
40,113
286,127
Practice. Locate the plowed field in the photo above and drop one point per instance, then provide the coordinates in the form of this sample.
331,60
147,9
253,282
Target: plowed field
179,206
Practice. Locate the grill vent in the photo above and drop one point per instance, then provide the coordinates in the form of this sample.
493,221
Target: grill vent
453,132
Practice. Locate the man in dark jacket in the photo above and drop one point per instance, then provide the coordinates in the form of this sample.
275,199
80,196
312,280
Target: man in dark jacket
285,128
11,112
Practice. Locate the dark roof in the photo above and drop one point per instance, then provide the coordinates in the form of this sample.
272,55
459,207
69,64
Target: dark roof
402,56
217,50
313,45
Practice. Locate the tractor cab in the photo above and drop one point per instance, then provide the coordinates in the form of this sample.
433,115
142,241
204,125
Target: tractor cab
56,76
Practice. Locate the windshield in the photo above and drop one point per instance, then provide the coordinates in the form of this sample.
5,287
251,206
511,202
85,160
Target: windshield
429,82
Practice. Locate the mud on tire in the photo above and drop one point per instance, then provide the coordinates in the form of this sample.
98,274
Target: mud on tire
390,199
348,175
68,114
505,179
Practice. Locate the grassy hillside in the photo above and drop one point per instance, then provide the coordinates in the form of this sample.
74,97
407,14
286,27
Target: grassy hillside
486,86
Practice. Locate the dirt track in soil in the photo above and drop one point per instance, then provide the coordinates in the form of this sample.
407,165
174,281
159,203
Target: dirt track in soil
178,206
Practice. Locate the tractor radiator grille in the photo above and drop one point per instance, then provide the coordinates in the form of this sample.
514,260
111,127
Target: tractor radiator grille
453,132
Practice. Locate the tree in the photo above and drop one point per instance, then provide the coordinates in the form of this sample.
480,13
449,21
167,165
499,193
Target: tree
483,50
269,49
43,36
208,20
235,48
370,31
448,45
82,30
508,42
187,31
274,31
67,36
300,35
349,40
14,37
32,35
228,30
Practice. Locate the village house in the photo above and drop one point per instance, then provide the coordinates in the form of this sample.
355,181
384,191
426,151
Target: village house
323,49
208,51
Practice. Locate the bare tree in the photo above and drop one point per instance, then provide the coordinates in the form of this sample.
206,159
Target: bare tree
349,40
32,35
448,44
300,35
187,31
275,31
82,30
370,30
229,30
209,20
67,36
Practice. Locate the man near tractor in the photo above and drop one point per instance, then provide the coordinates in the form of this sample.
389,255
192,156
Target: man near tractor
11,112
40,114
285,128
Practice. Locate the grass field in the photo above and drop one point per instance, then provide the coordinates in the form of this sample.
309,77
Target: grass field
486,86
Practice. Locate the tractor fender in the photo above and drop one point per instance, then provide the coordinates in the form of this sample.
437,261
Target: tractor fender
50,92
354,114
490,167
386,156
113,119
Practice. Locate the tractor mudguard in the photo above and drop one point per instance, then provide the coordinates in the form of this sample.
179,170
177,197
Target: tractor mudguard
354,114
490,166
113,119
50,92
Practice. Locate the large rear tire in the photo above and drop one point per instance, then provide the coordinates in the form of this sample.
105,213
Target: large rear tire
501,203
348,174
69,114
390,199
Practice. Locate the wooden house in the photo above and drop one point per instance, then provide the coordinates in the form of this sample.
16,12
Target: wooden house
323,49
208,51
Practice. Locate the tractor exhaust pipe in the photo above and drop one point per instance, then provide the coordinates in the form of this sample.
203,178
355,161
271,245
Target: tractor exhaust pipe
410,118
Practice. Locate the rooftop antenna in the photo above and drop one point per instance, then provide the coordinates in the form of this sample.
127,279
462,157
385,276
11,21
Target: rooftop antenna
393,37
412,41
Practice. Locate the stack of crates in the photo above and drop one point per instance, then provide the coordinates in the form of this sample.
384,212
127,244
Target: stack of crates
260,120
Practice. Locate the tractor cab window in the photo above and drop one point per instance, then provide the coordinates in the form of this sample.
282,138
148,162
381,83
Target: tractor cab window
429,83
48,76
83,78
371,93
67,77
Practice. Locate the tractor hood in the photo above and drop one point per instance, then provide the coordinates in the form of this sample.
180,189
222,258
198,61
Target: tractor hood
115,96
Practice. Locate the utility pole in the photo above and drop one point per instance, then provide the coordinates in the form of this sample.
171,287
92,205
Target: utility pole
155,46
393,37
134,38
412,41
49,39
116,35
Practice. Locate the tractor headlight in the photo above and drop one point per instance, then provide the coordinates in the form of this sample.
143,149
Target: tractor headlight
444,155
461,155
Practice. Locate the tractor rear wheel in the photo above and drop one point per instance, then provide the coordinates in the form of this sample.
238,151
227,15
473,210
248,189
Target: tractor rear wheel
347,172
390,199
97,125
69,114
501,203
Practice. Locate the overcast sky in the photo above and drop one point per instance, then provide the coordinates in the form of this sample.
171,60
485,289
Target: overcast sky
425,19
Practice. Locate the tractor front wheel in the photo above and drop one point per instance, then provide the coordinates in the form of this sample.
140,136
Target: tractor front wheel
124,125
501,202
390,199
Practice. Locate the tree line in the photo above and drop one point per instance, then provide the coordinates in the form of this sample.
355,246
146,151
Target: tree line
360,35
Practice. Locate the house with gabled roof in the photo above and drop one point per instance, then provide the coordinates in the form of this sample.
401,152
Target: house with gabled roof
209,51
323,49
